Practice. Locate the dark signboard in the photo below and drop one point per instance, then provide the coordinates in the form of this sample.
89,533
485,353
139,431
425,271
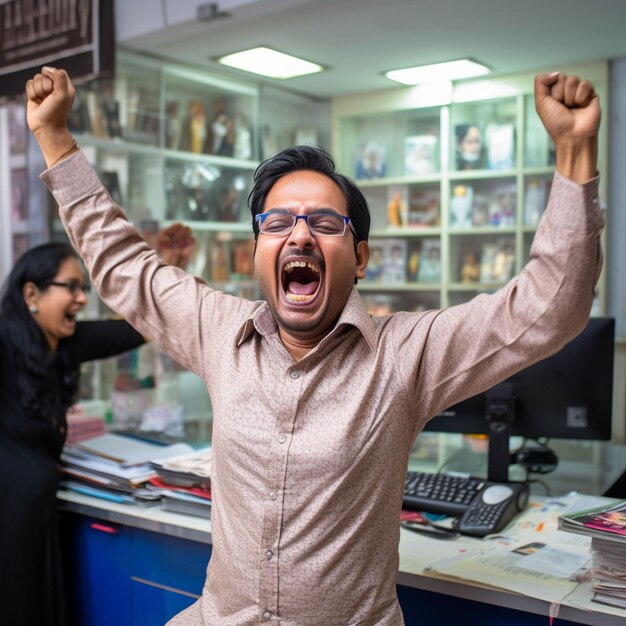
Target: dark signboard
77,35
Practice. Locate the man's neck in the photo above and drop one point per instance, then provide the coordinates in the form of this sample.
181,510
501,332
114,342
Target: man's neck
298,347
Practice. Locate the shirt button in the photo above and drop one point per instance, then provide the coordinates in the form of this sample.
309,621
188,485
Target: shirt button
294,374
266,616
268,555
273,495
282,438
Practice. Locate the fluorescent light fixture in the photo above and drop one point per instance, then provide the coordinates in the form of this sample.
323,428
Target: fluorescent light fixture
268,62
451,70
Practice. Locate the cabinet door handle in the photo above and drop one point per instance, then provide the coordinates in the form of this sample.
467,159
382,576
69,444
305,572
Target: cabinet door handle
111,530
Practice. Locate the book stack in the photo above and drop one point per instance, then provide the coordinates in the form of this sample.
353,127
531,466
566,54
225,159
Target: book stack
184,483
114,467
606,526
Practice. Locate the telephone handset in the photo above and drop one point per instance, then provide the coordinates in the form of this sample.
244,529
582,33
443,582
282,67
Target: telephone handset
492,508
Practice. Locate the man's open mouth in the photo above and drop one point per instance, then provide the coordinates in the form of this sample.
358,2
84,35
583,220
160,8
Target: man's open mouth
300,280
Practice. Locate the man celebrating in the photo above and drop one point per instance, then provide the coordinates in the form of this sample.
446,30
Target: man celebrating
316,403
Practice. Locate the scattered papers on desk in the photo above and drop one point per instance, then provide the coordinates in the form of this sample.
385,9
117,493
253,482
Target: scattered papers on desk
531,556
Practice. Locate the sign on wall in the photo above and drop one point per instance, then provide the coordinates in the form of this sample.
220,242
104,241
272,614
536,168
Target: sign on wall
77,35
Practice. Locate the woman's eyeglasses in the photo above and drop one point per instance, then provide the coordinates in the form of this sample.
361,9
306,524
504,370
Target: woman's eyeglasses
73,286
324,224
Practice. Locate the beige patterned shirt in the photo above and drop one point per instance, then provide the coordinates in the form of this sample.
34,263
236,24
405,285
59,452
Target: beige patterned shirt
309,457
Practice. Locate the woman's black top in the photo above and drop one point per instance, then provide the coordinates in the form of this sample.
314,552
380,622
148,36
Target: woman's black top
31,586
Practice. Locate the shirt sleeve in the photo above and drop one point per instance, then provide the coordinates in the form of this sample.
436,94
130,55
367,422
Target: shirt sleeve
105,338
457,352
176,311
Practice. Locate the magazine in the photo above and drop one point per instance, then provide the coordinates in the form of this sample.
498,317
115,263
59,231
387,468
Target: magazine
608,522
388,261
423,207
500,146
371,161
420,155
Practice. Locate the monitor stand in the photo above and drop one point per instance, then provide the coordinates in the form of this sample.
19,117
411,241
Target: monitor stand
617,489
499,412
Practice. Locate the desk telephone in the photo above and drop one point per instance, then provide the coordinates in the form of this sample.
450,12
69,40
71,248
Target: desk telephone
481,507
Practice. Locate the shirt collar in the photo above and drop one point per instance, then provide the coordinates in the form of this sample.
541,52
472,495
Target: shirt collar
354,314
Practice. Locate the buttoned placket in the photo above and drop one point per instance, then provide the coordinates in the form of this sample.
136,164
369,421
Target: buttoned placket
274,499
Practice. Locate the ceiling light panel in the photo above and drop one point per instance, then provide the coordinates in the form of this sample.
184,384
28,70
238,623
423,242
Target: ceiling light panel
267,62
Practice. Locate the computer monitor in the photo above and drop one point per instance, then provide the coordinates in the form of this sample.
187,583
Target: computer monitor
565,396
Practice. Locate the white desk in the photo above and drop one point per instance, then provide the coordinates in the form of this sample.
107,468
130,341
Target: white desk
417,554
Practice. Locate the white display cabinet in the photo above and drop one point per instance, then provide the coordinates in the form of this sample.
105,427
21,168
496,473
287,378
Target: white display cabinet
456,178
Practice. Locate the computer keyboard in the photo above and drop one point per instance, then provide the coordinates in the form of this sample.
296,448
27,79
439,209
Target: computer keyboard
447,494
480,506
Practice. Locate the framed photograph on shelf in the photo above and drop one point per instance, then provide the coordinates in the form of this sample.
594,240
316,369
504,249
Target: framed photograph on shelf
394,262
374,269
424,207
461,206
469,271
497,262
414,256
420,155
430,262
397,205
494,205
500,140
535,199
469,146
371,160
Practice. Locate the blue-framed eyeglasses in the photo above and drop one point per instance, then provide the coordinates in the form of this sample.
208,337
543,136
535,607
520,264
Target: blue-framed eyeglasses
324,224
73,286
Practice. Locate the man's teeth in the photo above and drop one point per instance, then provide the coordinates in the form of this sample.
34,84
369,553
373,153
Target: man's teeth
293,264
293,297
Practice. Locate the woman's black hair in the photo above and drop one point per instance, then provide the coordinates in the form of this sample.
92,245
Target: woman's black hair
317,160
38,365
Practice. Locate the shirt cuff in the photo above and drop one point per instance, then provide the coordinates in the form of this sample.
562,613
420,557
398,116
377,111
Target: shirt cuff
565,192
71,179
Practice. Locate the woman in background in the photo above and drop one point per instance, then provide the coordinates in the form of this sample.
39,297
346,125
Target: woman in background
42,345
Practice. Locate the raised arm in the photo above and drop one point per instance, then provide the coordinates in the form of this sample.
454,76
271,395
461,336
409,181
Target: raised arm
570,111
179,313
50,96
473,346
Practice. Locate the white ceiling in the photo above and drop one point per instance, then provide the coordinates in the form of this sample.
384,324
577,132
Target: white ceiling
359,39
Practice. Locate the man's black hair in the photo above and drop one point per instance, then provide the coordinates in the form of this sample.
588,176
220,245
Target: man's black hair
318,160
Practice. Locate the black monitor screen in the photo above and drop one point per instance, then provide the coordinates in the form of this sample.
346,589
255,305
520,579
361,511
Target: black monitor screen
566,396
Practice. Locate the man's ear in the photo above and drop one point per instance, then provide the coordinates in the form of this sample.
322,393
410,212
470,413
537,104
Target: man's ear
362,257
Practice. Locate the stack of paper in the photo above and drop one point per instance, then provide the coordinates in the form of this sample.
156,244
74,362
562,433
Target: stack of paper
114,467
606,526
184,482
609,572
